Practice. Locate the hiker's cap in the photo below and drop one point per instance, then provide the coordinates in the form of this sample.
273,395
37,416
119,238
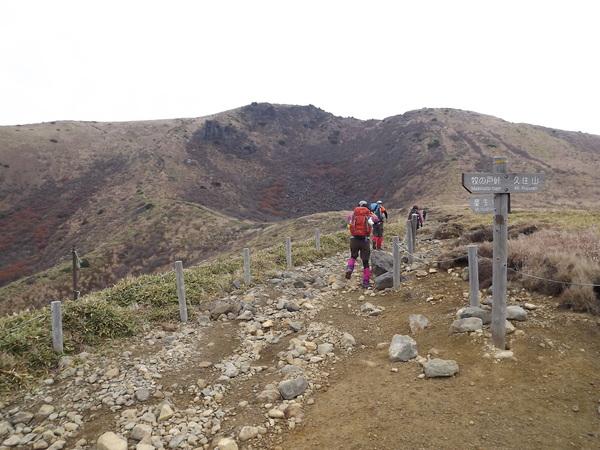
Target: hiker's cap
379,202
362,203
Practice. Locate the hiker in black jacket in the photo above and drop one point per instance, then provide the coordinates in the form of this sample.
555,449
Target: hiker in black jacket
378,209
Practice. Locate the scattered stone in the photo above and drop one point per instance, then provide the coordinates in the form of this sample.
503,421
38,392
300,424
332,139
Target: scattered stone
227,444
509,327
516,313
325,349
110,441
417,322
293,388
440,368
384,281
347,340
466,325
474,311
402,348
246,433
20,417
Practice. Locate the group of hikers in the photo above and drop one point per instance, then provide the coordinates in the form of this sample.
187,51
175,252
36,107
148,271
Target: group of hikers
367,219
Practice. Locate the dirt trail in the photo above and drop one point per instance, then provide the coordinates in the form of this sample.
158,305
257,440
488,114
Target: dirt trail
546,396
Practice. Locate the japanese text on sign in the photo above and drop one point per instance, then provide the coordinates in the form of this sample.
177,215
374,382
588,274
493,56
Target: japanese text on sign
503,183
482,204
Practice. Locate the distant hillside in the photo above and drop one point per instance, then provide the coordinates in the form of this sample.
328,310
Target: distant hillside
134,196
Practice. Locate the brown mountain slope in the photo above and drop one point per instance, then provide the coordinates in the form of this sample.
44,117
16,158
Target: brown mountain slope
133,196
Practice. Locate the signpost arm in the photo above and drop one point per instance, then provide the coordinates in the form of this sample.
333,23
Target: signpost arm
499,276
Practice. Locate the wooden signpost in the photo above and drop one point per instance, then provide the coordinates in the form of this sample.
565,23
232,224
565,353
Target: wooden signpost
501,184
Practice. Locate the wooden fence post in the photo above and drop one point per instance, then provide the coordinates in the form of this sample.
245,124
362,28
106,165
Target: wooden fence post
409,241
246,266
181,291
288,251
57,334
473,275
396,259
75,268
318,239
414,220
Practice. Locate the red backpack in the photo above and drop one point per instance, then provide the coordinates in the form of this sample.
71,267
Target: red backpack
359,225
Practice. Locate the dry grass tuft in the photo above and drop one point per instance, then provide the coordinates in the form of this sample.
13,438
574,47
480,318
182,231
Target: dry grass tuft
554,252
565,264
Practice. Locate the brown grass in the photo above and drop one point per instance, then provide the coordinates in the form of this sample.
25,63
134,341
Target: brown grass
565,264
554,252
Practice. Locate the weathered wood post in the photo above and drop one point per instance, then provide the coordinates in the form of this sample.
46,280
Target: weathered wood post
396,260
473,275
57,332
75,269
413,220
318,239
288,251
247,266
500,245
183,316
409,241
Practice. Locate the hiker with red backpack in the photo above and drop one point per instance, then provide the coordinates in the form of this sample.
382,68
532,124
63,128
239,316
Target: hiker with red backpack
361,223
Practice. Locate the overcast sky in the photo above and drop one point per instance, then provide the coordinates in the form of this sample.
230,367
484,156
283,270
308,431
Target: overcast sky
519,60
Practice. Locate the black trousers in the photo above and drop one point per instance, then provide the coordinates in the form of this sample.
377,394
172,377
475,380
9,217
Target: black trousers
360,246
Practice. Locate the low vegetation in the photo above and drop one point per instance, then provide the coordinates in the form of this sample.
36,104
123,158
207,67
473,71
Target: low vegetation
555,252
120,311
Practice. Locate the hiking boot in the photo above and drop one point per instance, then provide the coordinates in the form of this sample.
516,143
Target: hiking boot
365,284
374,245
349,272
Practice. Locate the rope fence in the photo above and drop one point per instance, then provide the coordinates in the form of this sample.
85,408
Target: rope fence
57,310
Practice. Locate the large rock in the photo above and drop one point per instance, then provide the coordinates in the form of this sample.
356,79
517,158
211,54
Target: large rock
516,313
474,311
385,281
381,262
110,441
220,307
227,444
440,368
402,348
466,325
290,389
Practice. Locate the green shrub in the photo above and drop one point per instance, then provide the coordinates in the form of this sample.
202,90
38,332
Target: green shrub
434,144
